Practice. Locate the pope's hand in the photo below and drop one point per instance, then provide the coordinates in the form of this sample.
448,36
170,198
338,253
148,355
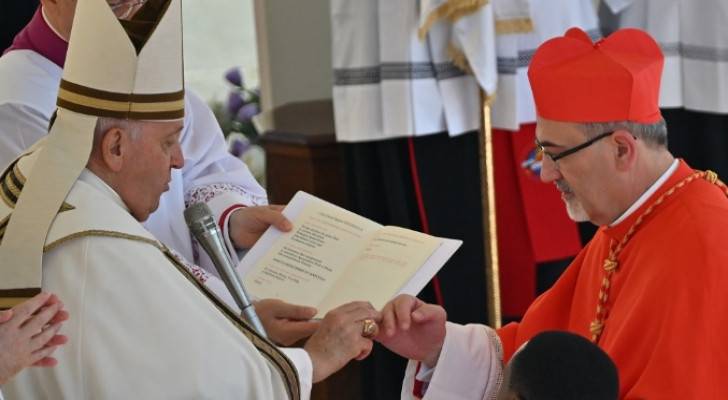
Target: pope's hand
413,329
339,338
29,334
247,224
286,323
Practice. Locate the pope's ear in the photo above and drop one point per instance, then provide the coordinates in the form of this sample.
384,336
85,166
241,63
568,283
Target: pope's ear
113,147
625,145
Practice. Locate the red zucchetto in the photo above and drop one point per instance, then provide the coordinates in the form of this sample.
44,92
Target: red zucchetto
614,79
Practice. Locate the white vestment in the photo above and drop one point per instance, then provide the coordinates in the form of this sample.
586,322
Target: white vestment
470,366
516,45
28,90
693,36
140,325
390,83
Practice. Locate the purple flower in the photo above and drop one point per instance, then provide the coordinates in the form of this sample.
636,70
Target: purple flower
235,102
238,144
247,112
235,76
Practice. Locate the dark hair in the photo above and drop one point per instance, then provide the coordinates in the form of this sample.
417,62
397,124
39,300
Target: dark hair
563,366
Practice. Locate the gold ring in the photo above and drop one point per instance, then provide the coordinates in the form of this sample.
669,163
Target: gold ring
369,328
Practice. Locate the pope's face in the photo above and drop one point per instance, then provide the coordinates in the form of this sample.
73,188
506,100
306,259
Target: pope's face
125,9
61,12
148,169
582,177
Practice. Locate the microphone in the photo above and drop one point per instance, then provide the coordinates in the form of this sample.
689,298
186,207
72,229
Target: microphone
202,225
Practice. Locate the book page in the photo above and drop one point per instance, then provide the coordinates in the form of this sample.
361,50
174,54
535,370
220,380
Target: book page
302,265
384,265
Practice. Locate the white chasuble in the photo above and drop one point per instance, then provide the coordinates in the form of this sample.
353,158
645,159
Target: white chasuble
142,326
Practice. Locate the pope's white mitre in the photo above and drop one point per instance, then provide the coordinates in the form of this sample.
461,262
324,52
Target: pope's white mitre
108,77
119,69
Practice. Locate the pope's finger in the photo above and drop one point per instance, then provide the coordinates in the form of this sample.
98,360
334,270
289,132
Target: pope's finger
44,337
296,312
5,315
365,351
42,354
24,310
40,319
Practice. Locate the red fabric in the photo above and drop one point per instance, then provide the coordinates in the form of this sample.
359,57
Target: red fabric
615,79
531,219
39,37
668,310
423,213
418,390
223,217
554,236
517,268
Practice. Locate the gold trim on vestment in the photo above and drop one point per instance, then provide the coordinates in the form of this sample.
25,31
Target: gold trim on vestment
97,232
10,302
451,10
514,25
11,185
264,346
120,106
123,97
459,59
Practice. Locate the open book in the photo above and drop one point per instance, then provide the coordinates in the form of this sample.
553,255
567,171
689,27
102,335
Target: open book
333,256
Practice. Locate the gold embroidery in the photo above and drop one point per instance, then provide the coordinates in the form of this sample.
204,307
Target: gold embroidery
515,25
11,186
122,106
10,302
95,232
711,176
458,58
264,346
611,263
451,10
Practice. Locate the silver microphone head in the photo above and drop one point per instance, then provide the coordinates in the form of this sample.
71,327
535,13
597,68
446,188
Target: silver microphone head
199,218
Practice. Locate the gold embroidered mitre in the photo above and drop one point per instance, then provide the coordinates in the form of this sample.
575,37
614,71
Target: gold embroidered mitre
119,69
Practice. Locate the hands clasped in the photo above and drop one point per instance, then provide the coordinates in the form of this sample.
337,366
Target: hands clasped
29,334
341,338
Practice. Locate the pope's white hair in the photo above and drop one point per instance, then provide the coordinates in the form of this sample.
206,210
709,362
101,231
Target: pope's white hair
104,124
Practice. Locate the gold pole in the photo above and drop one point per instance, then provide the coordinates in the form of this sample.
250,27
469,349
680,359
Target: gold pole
487,191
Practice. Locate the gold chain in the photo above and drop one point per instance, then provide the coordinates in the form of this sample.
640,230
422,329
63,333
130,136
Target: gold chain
596,327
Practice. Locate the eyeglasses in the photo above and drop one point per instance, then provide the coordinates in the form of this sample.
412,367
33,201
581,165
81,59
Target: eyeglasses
558,156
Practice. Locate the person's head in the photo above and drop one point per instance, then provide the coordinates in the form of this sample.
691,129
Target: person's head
128,71
558,365
599,128
60,12
599,181
136,158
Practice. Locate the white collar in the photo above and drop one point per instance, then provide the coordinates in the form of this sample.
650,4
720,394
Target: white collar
92,179
649,192
53,29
